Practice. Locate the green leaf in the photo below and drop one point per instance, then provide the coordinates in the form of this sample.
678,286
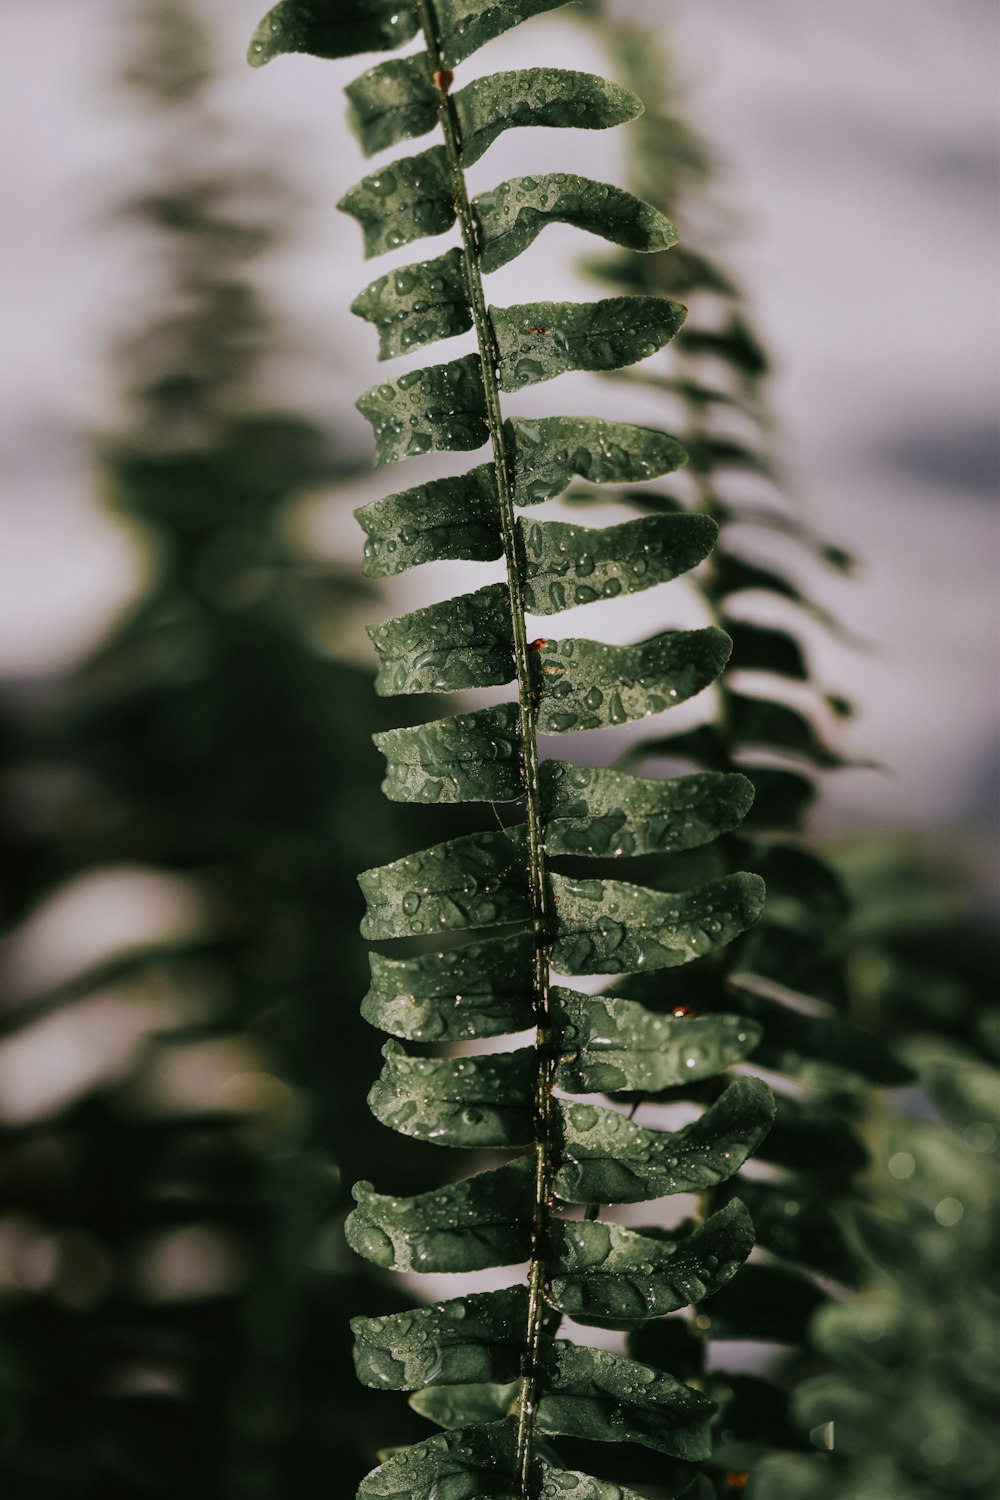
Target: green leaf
819,1051
467,25
477,1337
446,518
478,880
548,451
767,1304
781,799
392,102
569,565
590,1393
592,810
608,927
333,28
778,726
604,1272
759,648
463,642
806,1138
589,685
514,214
476,1463
609,1045
417,304
470,1102
791,1220
467,758
468,1463
467,1226
459,1405
606,1158
481,990
538,96
440,407
403,202
537,341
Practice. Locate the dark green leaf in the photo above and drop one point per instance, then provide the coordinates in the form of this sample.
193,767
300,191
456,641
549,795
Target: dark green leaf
791,1220
468,1463
781,799
441,407
333,28
607,1158
470,1102
468,758
446,518
592,810
818,1051
789,961
806,1138
540,340
417,304
608,1045
393,101
478,880
604,1272
403,202
608,927
473,1338
777,726
515,213
570,565
590,1393
538,96
466,1226
589,685
467,25
484,989
765,1303
461,1405
737,344
548,451
463,642
759,648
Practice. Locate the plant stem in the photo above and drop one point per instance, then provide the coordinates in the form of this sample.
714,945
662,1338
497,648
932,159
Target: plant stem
528,715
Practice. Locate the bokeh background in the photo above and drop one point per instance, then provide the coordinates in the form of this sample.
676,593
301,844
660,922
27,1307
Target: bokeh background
184,669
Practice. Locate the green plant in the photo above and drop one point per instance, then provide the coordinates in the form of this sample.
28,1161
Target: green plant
488,1367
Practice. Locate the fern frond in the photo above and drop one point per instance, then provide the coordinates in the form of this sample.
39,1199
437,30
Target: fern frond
511,1385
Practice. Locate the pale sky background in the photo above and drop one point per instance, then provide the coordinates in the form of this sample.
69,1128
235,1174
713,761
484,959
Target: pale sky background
861,144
